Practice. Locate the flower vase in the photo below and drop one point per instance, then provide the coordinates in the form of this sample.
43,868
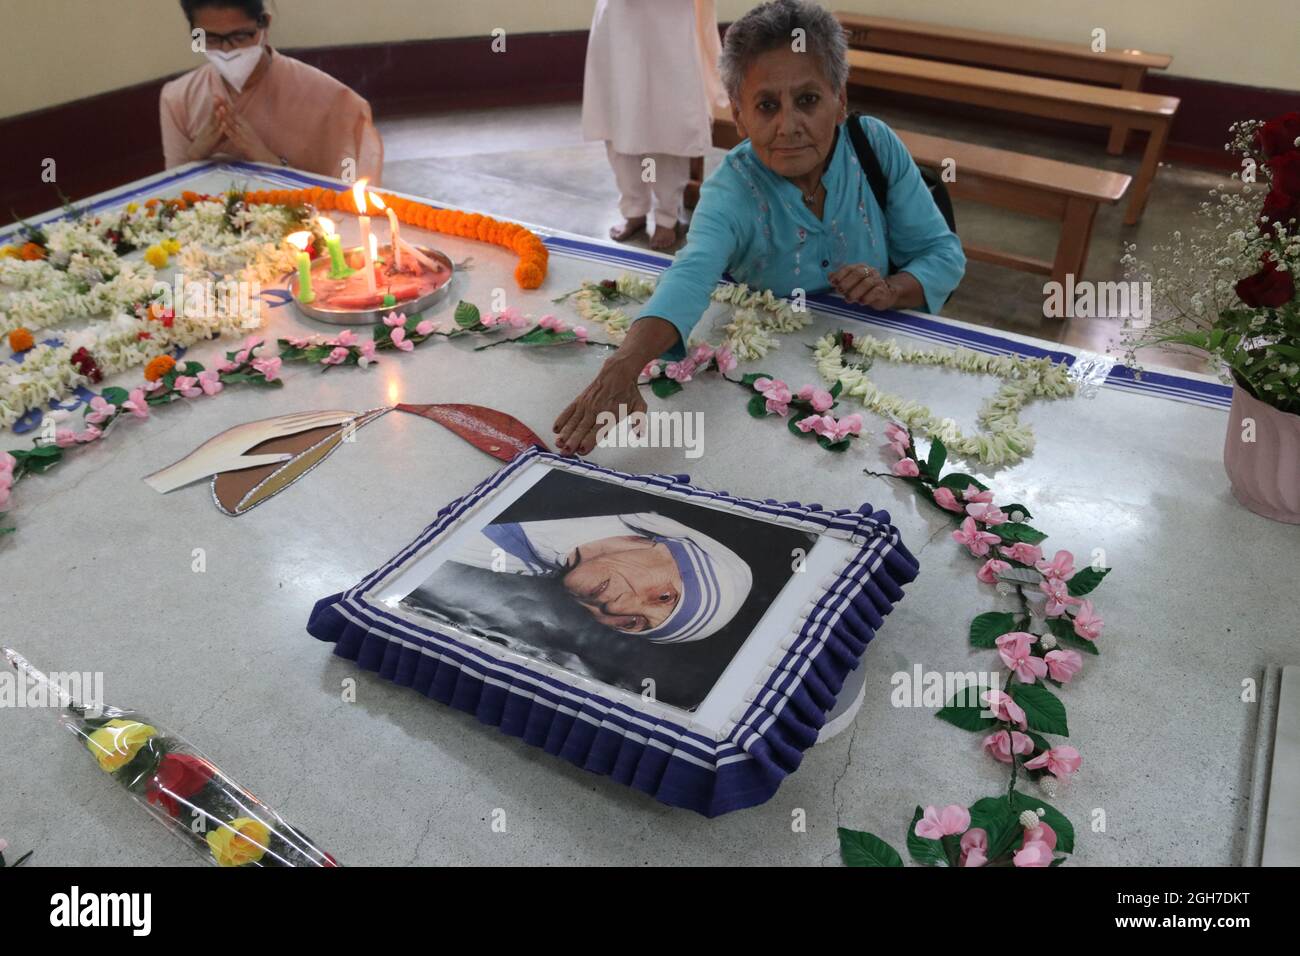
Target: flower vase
1261,454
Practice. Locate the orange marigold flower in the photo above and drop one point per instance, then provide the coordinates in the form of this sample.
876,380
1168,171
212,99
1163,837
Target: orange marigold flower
158,367
20,340
30,252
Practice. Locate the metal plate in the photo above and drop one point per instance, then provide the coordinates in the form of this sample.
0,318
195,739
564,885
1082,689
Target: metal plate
372,316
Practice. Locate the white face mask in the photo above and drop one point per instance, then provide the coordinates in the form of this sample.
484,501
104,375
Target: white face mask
236,66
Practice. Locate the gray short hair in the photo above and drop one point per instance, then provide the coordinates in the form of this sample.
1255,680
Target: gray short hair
772,25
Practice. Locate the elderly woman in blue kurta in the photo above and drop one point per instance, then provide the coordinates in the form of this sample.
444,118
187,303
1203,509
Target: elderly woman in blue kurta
790,208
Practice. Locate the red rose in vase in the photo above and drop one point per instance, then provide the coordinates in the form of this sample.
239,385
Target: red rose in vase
1279,207
1286,172
178,775
1278,135
1269,288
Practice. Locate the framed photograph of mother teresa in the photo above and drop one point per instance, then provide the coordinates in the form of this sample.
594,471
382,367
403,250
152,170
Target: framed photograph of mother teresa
686,642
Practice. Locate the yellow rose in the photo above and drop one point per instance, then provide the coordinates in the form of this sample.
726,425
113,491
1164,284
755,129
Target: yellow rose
117,742
171,246
156,256
241,841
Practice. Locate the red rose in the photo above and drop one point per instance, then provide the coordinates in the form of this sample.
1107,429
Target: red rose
1279,207
182,774
1286,172
1270,287
85,364
846,341
1278,135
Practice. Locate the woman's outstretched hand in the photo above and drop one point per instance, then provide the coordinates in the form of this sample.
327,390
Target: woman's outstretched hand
614,390
862,284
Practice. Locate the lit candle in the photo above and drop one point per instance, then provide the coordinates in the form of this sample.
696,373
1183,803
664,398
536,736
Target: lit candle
338,265
419,257
367,247
395,238
301,239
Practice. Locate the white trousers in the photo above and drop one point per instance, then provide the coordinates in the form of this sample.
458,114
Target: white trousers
664,179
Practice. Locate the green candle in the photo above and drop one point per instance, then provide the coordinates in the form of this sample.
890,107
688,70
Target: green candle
338,267
390,300
305,293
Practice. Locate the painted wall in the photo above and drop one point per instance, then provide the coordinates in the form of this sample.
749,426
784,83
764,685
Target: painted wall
54,51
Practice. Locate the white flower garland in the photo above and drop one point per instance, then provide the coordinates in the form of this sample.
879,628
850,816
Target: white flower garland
1005,440
749,334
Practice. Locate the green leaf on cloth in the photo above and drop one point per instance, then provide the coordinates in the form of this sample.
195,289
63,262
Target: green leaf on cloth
958,482
466,314
921,849
1014,531
988,627
995,817
1063,631
664,387
540,336
859,848
753,377
757,406
1043,709
1054,818
938,457
1085,581
965,708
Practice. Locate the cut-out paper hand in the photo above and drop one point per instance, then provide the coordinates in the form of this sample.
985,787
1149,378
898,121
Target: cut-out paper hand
226,452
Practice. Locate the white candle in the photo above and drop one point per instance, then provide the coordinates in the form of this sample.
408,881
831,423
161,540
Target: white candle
419,257
395,239
368,253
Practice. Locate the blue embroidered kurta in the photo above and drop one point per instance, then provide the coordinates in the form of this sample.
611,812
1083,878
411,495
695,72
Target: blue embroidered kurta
753,223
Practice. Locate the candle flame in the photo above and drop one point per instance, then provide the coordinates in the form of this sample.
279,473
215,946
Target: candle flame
378,201
299,239
326,225
359,196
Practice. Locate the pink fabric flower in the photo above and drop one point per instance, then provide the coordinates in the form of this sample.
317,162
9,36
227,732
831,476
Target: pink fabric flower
652,370
64,438
945,499
580,332
991,569
100,410
1014,650
90,434
553,324
991,515
1023,552
949,821
896,435
1004,708
702,355
1087,624
680,372
187,385
4,493
7,463
347,337
1042,833
1058,596
1063,761
336,357
809,423
974,848
367,356
401,341
725,359
394,320
136,403
153,386
1002,744
512,317
210,381
1063,665
906,468
270,367
426,327
295,342
853,423
251,343
231,366
1061,566
898,449
777,394
1034,853
820,399
973,494
488,321
976,540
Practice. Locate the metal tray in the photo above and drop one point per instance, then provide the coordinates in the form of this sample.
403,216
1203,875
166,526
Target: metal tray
372,316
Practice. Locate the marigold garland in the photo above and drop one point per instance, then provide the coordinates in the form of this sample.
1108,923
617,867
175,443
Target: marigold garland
532,252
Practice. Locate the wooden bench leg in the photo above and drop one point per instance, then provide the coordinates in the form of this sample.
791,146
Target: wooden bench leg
1119,132
1147,174
1076,234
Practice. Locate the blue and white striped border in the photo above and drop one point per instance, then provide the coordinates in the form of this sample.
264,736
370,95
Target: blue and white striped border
1178,386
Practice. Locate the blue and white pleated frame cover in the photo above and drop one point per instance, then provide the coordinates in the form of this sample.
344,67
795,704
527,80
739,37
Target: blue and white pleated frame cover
737,761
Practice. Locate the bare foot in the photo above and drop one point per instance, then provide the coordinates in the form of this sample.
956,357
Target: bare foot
629,229
664,238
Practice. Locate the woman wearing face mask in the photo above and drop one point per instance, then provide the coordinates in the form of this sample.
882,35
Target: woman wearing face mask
789,208
253,103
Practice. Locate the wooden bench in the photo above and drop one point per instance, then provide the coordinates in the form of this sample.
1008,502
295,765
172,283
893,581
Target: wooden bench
1125,69
1033,96
1065,192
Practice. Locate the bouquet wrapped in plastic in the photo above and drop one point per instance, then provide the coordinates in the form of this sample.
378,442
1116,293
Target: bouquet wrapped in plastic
179,786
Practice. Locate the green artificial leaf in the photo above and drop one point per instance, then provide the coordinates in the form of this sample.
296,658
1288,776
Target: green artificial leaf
988,627
859,848
1064,830
115,396
1013,531
995,817
836,389
938,456
7,530
965,708
664,387
1017,507
838,446
466,314
757,406
540,336
1043,709
1042,743
1063,631
753,377
792,423
922,849
958,482
1085,581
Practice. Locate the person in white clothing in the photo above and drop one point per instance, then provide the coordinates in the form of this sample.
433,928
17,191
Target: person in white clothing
650,85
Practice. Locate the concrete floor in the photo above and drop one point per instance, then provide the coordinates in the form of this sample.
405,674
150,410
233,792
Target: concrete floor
532,163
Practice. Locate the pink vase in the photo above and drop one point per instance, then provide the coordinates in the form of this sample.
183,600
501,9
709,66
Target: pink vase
1265,473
